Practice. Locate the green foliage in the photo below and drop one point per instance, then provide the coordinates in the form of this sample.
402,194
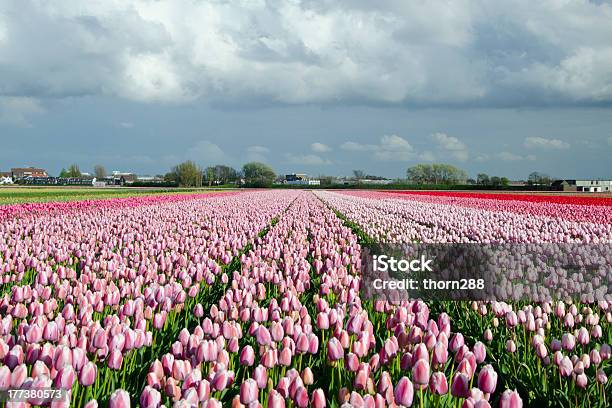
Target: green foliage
72,172
258,174
220,174
186,174
437,173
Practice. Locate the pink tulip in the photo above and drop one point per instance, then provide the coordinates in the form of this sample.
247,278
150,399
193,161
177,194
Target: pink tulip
247,356
404,392
275,400
334,349
115,359
487,379
87,376
18,376
480,352
261,376
318,399
510,399
460,385
420,372
119,399
438,384
150,397
248,391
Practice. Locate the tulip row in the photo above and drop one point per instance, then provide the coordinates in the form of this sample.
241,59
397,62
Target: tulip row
549,351
389,219
260,345
569,208
108,287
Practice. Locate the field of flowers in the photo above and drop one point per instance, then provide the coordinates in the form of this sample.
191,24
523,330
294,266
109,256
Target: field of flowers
253,299
15,195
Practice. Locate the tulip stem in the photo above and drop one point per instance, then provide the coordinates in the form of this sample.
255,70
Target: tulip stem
421,389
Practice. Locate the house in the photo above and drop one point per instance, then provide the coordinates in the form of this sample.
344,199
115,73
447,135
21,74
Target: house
6,177
590,186
23,172
374,181
301,179
121,178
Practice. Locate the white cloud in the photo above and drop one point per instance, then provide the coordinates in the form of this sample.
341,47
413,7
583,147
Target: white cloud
126,125
357,147
427,156
258,149
309,51
257,153
452,145
543,143
206,153
306,159
320,147
390,148
17,110
508,156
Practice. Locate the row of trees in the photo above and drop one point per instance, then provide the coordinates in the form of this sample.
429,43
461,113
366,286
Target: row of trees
483,179
437,173
256,174
75,172
190,174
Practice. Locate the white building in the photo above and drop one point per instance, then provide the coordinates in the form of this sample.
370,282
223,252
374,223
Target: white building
301,179
589,186
6,180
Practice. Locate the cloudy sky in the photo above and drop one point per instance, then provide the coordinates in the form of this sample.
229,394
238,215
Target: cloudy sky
322,87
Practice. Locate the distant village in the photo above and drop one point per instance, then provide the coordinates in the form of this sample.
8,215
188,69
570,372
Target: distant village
35,176
39,177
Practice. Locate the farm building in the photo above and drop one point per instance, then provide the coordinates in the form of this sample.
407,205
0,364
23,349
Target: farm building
301,179
590,186
6,177
121,178
23,172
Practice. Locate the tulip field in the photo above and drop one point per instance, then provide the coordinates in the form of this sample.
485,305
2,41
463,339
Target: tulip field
252,299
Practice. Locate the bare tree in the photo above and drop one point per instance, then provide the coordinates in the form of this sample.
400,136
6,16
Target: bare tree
100,171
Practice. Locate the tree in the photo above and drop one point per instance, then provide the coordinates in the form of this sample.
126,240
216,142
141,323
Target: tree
438,173
258,174
504,181
419,174
186,174
72,172
99,171
495,181
326,180
537,178
482,178
359,174
220,174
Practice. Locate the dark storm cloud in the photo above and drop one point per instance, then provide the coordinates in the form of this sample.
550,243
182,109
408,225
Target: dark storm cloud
68,66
